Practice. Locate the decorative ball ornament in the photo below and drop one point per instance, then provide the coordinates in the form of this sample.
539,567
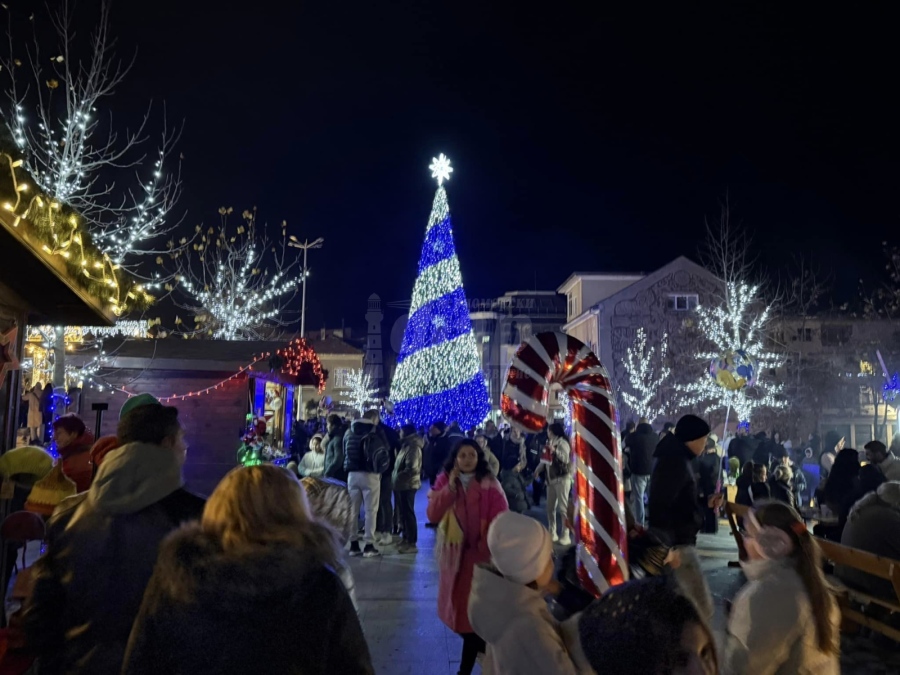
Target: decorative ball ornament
8,359
734,370
600,532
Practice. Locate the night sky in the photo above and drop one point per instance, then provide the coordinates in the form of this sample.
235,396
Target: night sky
582,138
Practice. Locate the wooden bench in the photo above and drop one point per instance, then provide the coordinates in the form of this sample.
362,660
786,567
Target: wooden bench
733,512
848,598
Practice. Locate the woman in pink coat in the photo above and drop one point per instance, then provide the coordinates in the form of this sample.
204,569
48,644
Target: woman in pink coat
464,500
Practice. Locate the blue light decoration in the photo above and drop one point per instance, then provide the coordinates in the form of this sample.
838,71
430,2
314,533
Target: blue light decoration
439,374
59,395
891,389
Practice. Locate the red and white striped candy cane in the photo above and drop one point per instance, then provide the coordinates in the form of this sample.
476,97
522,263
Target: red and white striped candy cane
600,533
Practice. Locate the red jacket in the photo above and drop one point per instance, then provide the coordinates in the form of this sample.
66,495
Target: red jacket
77,463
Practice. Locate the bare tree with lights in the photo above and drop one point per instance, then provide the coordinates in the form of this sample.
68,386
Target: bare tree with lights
362,393
57,88
648,375
237,282
738,322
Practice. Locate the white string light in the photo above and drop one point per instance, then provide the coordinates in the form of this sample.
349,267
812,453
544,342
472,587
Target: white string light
231,294
736,325
362,393
647,375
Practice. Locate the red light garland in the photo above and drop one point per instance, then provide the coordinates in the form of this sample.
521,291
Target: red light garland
200,392
296,354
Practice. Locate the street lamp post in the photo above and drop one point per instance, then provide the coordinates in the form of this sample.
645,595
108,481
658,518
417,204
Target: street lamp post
305,246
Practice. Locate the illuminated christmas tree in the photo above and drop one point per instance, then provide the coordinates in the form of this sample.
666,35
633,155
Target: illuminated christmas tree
439,374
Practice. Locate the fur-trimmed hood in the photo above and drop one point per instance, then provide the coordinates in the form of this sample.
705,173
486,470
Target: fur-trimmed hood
887,495
261,609
195,569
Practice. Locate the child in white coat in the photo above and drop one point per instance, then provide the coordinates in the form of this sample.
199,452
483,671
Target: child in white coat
507,606
785,620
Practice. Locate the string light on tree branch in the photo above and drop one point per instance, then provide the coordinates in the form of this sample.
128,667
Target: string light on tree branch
226,278
739,324
362,393
648,373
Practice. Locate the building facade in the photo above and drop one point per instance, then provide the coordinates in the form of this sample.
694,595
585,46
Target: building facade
605,312
502,324
835,374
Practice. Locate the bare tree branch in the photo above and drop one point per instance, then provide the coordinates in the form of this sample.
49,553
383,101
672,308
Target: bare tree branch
124,191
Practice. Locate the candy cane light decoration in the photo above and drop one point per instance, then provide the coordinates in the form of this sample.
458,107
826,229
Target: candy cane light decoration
600,531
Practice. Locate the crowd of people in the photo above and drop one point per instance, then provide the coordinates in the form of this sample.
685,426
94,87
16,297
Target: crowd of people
142,576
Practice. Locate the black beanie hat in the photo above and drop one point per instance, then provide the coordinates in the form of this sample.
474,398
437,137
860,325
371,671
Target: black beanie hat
690,428
644,617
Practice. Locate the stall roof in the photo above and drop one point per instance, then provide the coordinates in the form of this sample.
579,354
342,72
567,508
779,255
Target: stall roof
49,291
218,355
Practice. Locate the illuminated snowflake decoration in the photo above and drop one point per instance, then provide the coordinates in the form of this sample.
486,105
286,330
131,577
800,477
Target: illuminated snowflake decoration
438,322
440,168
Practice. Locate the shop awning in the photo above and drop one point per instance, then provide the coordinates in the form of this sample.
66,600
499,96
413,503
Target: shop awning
50,293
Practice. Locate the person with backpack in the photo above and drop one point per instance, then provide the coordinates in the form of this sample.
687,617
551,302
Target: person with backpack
560,467
367,455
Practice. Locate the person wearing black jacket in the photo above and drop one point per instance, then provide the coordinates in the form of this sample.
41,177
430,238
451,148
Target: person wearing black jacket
675,509
708,465
385,521
334,450
494,439
742,447
535,445
641,444
362,480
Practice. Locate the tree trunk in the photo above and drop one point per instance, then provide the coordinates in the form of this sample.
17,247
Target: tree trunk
59,357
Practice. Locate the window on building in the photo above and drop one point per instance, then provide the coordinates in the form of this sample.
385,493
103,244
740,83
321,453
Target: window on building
683,302
570,304
524,332
485,338
836,335
863,435
341,376
803,335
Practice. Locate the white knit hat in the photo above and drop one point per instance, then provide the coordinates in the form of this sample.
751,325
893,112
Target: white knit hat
520,547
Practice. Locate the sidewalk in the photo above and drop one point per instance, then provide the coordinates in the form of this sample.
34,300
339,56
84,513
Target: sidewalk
397,597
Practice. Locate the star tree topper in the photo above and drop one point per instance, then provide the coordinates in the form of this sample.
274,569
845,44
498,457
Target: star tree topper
440,168
8,359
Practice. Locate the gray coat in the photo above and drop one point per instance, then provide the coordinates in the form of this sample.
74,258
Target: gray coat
408,467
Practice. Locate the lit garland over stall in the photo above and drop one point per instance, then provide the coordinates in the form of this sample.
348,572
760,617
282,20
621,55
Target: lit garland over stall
648,373
439,372
40,340
62,234
736,326
297,356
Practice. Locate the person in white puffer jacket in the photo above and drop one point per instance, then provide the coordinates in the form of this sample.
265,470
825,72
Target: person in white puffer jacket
312,465
784,621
